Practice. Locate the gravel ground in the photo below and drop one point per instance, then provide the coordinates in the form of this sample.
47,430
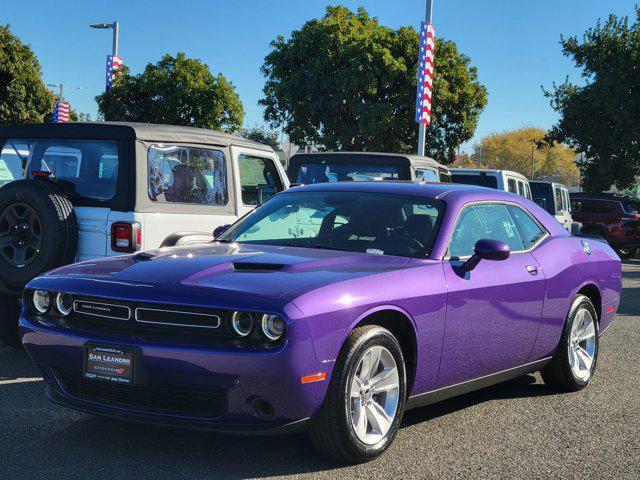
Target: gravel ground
514,430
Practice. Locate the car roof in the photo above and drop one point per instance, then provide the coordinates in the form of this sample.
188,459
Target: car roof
419,189
544,182
126,131
471,171
612,197
371,157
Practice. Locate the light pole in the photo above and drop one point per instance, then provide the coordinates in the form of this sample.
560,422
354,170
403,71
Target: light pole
422,129
60,88
114,26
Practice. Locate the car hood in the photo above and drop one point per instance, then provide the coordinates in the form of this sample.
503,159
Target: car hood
268,271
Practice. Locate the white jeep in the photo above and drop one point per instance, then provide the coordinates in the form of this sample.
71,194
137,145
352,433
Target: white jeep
80,191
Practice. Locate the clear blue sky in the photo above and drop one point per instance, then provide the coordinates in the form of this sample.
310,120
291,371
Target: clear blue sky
513,43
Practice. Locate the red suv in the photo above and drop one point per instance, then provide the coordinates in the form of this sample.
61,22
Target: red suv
616,218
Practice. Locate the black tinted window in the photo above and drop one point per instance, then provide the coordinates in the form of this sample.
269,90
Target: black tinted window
480,180
310,173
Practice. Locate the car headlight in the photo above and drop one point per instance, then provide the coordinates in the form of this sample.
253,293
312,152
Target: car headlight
242,323
272,326
41,301
64,303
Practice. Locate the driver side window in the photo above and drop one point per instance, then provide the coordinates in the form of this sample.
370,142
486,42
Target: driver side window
490,221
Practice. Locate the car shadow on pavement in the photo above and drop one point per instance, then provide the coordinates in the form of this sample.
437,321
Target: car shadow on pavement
67,444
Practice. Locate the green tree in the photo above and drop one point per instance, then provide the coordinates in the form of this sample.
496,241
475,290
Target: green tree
262,135
348,83
177,91
511,150
23,96
601,117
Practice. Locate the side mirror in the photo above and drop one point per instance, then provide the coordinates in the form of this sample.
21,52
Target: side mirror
220,230
485,249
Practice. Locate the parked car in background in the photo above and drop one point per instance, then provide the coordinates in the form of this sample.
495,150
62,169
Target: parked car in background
505,180
616,218
402,295
554,198
81,191
310,168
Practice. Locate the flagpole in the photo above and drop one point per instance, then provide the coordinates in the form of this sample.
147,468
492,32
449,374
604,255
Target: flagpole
422,129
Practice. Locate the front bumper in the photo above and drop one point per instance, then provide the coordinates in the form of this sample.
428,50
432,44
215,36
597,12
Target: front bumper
242,378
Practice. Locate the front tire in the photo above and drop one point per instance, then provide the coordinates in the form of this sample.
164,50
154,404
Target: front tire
363,408
574,361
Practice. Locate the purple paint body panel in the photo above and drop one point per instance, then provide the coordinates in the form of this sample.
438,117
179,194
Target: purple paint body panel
465,324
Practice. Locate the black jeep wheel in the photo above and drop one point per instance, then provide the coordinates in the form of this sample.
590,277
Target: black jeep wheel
38,231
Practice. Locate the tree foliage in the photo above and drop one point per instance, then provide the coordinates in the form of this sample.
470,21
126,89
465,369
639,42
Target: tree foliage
602,117
261,135
511,150
348,83
177,91
24,98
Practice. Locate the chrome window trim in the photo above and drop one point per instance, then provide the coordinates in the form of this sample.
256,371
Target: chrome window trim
103,316
447,257
151,322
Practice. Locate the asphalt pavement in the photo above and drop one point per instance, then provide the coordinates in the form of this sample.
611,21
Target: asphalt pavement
519,429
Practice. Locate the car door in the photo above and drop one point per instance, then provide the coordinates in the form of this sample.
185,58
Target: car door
493,312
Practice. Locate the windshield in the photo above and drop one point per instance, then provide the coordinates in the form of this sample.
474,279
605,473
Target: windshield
382,224
328,172
84,168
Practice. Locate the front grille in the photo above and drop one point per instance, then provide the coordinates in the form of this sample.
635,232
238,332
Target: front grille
177,318
156,398
153,321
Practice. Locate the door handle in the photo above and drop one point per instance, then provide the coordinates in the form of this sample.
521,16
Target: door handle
532,269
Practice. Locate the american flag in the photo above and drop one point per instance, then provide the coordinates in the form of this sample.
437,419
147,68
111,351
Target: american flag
114,69
425,73
61,112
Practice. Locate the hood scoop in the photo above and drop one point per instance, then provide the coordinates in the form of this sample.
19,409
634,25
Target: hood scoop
256,267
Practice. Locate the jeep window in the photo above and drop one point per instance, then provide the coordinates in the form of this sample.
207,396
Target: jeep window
327,172
426,175
259,179
558,195
13,159
193,175
76,165
511,185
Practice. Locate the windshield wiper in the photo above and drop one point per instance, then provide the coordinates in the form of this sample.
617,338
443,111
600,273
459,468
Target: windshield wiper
320,246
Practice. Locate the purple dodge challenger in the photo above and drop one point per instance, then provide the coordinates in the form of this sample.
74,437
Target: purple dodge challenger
332,308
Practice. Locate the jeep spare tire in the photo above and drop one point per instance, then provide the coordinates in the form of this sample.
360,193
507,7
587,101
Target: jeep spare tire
38,230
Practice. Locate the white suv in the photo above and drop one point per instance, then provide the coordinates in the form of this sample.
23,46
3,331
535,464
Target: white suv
80,191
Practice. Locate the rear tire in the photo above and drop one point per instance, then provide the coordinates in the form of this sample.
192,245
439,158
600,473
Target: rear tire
9,315
337,430
574,361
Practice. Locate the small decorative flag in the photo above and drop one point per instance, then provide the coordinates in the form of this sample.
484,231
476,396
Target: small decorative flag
425,73
114,69
61,112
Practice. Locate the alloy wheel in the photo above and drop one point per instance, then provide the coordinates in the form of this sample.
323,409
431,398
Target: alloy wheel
582,344
374,395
